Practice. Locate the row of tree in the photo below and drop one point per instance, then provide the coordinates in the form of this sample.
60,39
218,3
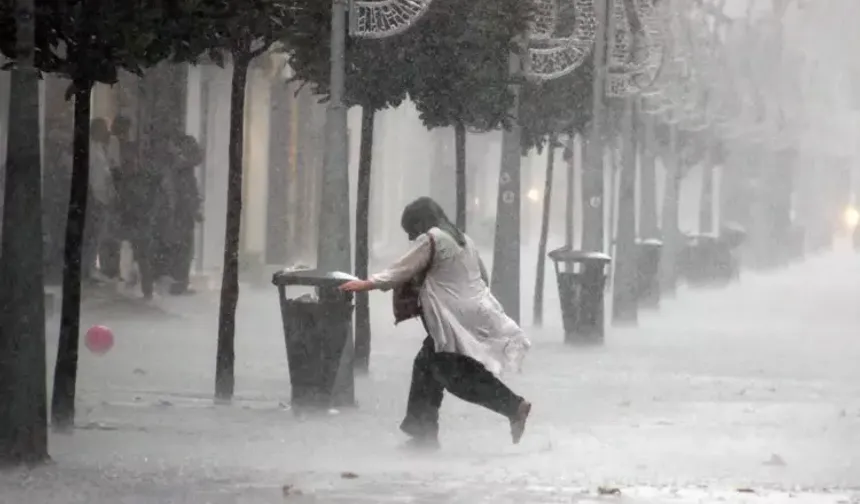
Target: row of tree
86,41
453,65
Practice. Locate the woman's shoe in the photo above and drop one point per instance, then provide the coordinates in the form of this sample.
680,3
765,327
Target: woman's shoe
421,437
425,444
518,421
181,289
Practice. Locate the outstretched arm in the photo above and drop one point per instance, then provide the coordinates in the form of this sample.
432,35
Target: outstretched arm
404,269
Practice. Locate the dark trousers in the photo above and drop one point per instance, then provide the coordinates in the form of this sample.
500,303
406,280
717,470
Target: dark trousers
109,246
434,372
140,237
142,250
181,254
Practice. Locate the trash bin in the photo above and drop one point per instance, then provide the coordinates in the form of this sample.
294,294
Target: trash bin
317,331
703,258
581,286
648,273
711,260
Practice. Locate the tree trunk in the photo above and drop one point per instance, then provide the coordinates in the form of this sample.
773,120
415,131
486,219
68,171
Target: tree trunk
362,247
460,153
23,395
56,173
571,187
66,368
774,209
784,187
706,199
671,233
648,227
225,379
625,306
537,307
760,226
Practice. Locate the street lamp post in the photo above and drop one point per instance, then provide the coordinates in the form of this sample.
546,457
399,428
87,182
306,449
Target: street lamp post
557,57
333,252
505,278
368,19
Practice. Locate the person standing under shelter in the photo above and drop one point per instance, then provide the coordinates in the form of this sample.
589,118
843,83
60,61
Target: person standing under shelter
138,184
186,212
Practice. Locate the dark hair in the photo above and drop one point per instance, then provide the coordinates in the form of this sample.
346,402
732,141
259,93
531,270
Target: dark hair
424,214
121,122
99,127
189,149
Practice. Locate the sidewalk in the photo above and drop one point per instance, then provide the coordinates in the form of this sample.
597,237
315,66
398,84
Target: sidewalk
752,387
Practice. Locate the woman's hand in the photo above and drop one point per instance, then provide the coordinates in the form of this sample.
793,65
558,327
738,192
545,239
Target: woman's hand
357,286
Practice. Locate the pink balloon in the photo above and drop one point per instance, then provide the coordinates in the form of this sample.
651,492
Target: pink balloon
99,339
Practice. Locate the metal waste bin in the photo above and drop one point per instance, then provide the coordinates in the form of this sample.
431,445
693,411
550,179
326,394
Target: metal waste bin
647,273
703,259
581,285
317,332
711,260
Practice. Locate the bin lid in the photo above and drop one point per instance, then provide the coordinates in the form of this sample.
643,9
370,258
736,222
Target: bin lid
702,238
311,278
568,254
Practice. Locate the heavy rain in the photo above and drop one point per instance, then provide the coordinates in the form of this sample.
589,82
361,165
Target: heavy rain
429,251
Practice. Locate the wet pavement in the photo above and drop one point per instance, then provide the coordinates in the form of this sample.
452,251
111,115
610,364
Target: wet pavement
745,394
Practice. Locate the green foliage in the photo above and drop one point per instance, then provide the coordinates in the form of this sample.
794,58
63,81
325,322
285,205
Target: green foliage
378,72
460,50
90,40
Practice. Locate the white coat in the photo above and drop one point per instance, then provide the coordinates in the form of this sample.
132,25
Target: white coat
462,315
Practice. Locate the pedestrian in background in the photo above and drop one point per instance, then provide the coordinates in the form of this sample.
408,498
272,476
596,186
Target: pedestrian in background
186,212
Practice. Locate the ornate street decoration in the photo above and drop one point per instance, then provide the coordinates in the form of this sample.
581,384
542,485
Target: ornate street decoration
652,102
685,85
663,97
697,116
638,48
375,19
550,57
753,121
545,19
734,92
